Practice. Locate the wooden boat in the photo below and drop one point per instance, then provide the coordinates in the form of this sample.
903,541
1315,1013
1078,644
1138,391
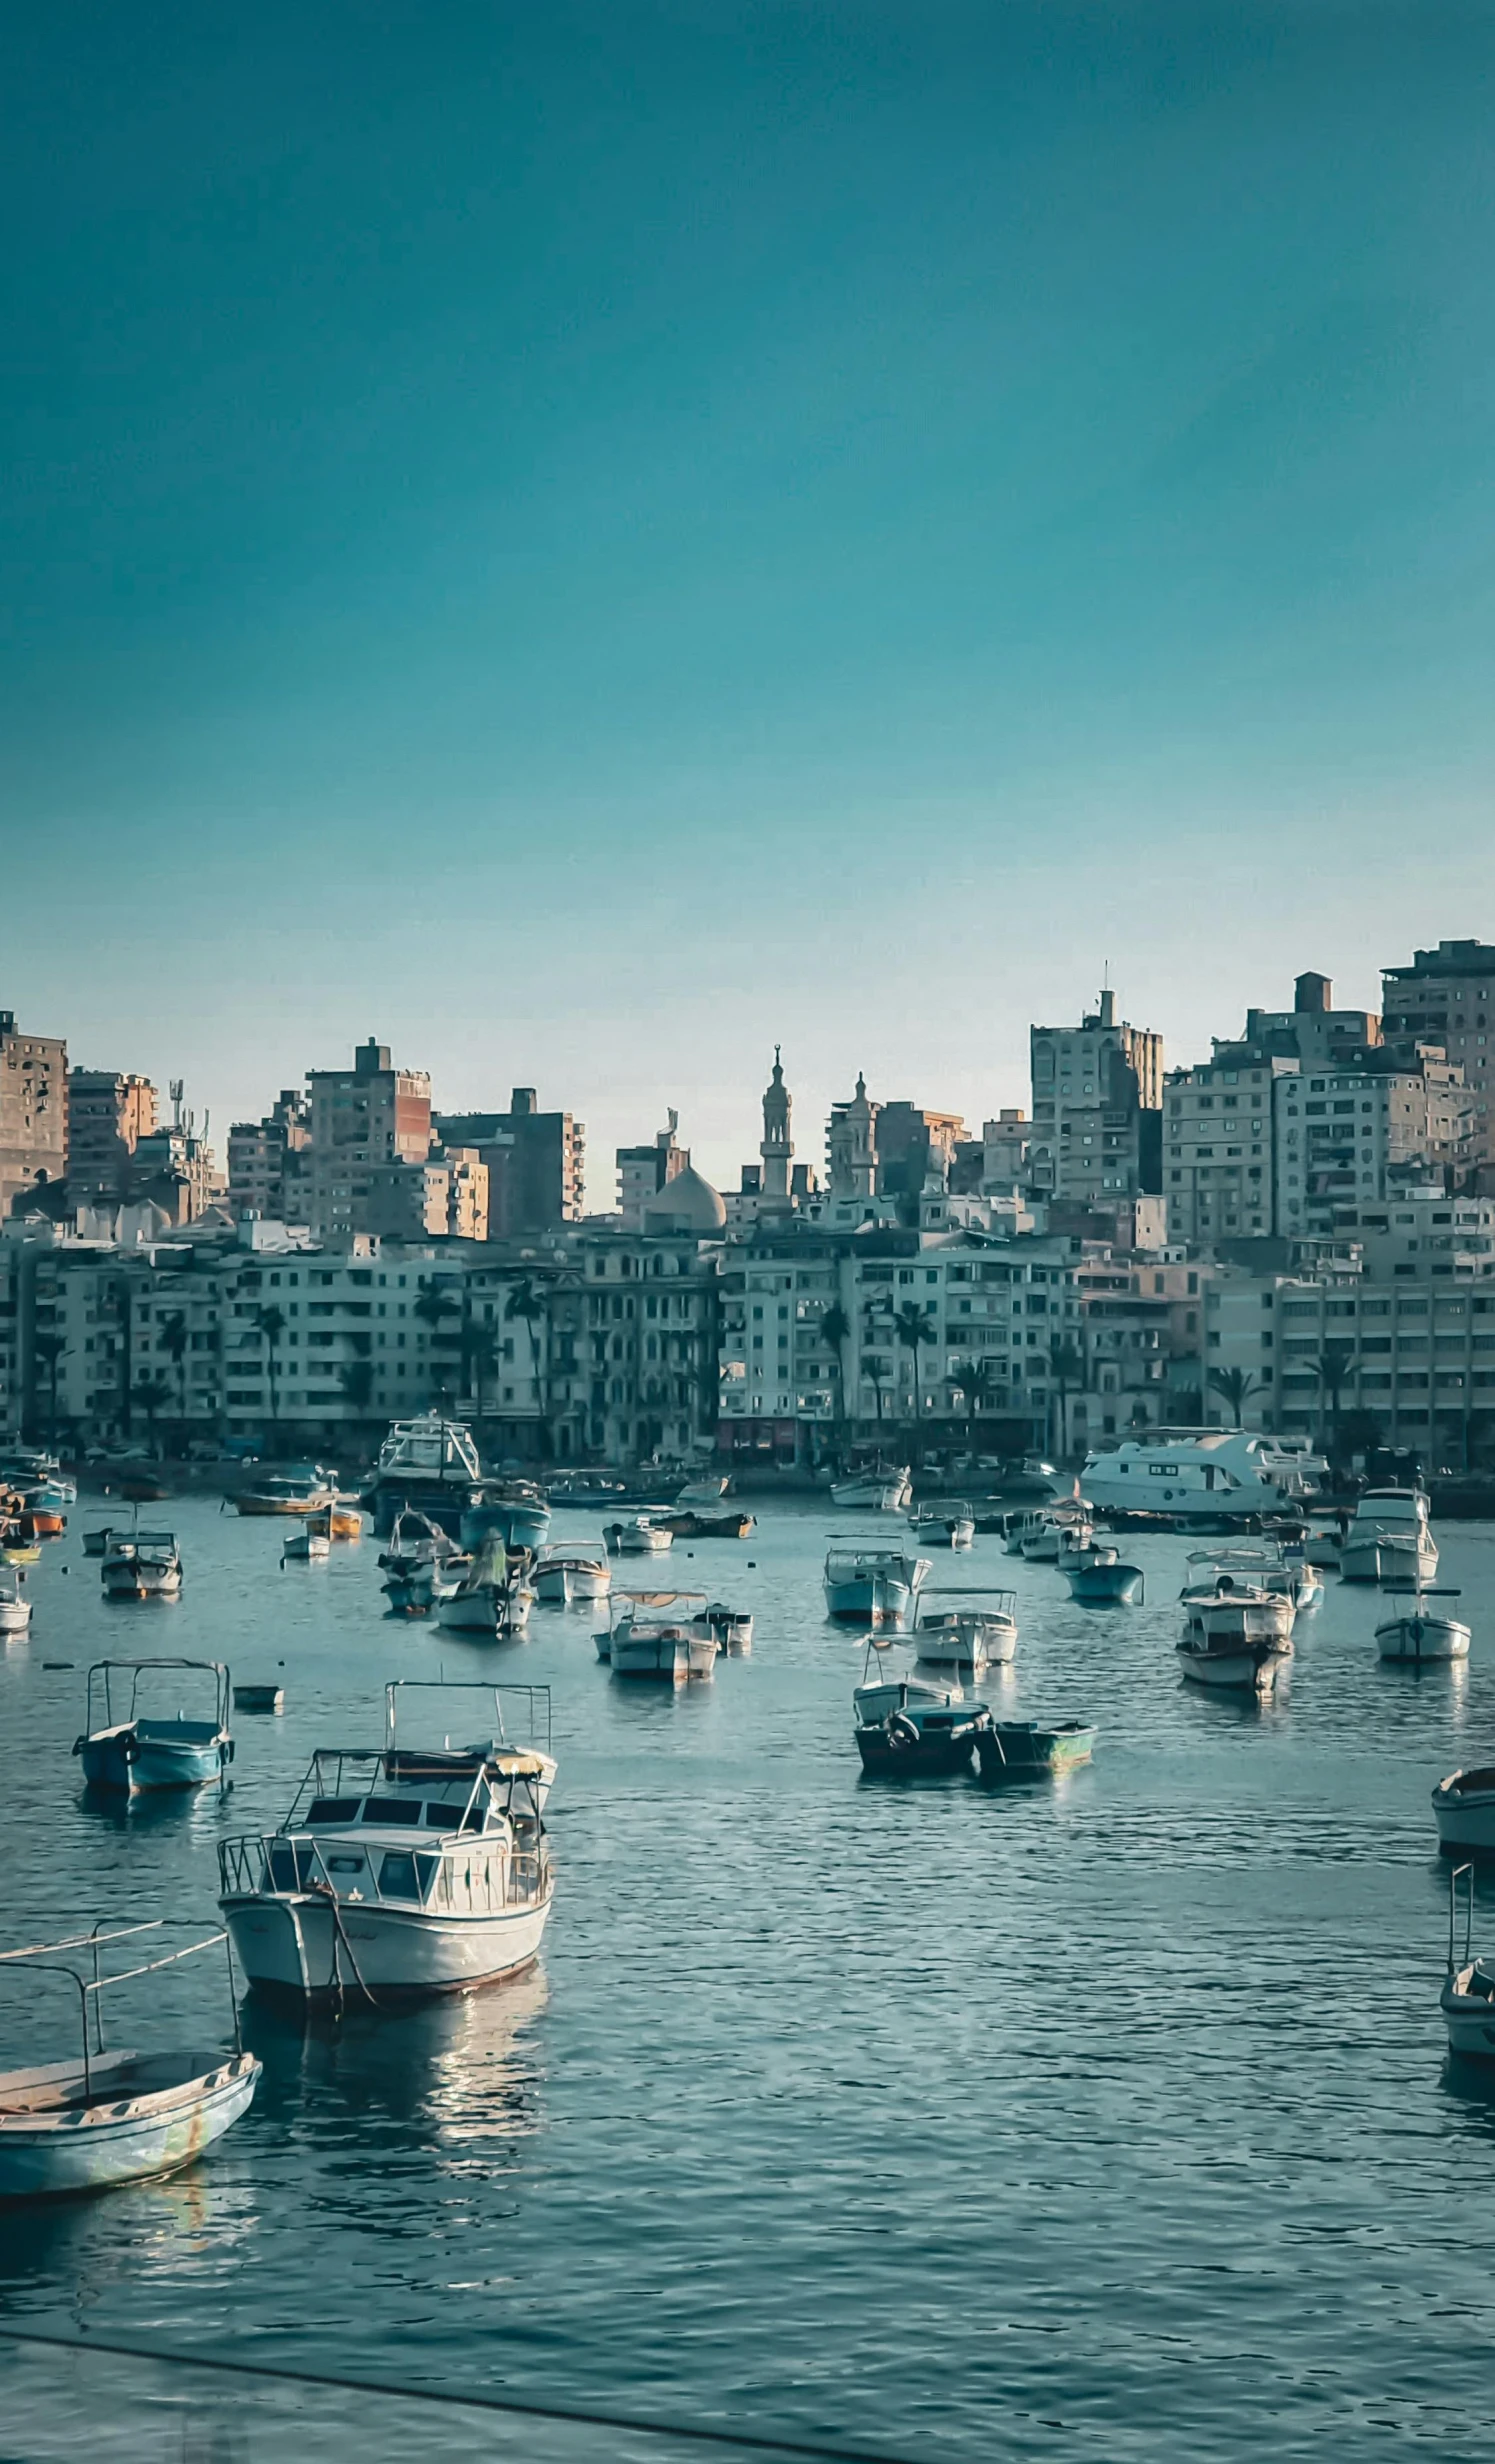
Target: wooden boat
566,1571
1027,1750
493,1598
875,1584
1464,1810
880,1487
515,1511
979,1634
259,1698
15,1608
141,1488
1421,1636
1468,1996
728,1526
908,1728
401,1871
103,2118
1237,1637
945,1525
312,1545
704,1490
41,1522
305,1489
1102,1579
142,1565
659,1634
345,1519
151,1751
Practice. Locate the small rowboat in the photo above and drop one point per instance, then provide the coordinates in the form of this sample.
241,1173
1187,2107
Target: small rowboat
1025,1750
1468,1996
307,1546
153,1751
94,2122
259,1698
1464,1810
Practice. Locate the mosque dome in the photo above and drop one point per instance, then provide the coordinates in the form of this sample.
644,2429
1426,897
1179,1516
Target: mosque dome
688,1203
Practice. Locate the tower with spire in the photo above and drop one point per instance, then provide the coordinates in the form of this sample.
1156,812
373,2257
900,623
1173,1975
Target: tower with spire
777,1149
852,1146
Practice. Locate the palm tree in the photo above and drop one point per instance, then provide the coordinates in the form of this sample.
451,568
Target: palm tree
527,1301
1067,1368
1236,1388
978,1381
876,1370
172,1339
270,1325
914,1327
49,1349
433,1302
482,1353
356,1377
1331,1369
152,1393
835,1326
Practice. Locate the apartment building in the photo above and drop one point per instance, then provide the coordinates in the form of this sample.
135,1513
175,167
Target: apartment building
1350,1137
266,1161
108,1113
1219,1147
33,1110
535,1162
361,1119
1446,997
1097,1097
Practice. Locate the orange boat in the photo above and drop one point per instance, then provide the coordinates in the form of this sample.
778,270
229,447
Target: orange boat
41,1523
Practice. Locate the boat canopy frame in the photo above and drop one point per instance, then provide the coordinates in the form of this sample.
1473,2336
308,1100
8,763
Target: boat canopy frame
46,1958
102,1668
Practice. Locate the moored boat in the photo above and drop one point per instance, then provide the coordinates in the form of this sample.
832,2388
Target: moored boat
515,1511
733,1627
345,1519
907,1727
1468,1996
943,1524
1389,1539
1420,1634
312,1544
1237,1637
96,1541
1030,1750
659,1634
15,1608
99,2118
980,1633
880,1488
1464,1810
733,1525
142,1565
152,1750
1218,1476
568,1570
640,1536
493,1598
401,1871
1102,1579
429,1463
874,1584
304,1488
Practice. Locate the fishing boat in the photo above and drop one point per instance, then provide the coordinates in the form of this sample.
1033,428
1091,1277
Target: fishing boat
259,1698
1237,1637
345,1519
978,1634
1263,1565
1464,1809
945,1525
312,1545
493,1598
639,1537
1389,1539
402,1871
733,1525
98,2118
879,1488
659,1634
906,1727
15,1608
430,1463
1029,1750
569,1570
142,1565
97,1539
1419,1634
516,1511
876,1584
705,1490
1103,1579
733,1627
152,1750
1077,1540
304,1488
1468,1996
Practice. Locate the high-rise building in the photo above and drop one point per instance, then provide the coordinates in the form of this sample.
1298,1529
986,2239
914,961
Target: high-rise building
1097,1107
363,1117
1447,997
536,1163
33,1110
108,1113
265,1161
644,1170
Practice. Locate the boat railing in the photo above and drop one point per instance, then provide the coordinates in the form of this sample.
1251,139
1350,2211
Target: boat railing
50,1958
1464,1874
287,1865
535,1698
218,1669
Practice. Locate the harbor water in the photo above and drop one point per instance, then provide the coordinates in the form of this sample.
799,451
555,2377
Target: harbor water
1107,2120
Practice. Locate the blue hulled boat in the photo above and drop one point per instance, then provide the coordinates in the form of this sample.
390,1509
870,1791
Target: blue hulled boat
151,1750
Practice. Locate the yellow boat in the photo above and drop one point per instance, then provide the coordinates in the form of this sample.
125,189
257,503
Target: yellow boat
345,1519
297,1492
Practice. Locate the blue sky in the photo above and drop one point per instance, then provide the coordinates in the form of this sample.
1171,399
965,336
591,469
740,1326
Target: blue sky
587,540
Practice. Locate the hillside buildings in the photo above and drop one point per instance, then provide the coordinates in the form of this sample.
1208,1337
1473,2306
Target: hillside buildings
33,1111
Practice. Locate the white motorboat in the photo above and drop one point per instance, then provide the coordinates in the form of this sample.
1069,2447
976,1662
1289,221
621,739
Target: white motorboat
493,1597
707,1490
306,1547
1389,1539
1043,1535
1078,1546
1237,1637
881,1490
949,1524
566,1570
1464,1809
429,1463
101,2118
15,1608
638,1537
1468,1997
1182,1473
1419,1634
142,1565
661,1634
402,1870
733,1627
1261,1564
1020,1528
876,1585
980,1634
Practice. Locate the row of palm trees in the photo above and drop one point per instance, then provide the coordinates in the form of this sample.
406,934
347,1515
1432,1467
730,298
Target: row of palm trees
979,1380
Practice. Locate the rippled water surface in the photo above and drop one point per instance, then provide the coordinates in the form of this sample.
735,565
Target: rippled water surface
1113,2119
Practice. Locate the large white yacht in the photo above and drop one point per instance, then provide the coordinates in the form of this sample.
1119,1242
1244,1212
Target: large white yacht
430,1463
1205,1472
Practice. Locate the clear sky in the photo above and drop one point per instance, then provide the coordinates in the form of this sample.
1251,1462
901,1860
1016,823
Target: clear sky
589,537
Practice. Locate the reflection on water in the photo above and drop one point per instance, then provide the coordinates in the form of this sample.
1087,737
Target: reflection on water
1119,2102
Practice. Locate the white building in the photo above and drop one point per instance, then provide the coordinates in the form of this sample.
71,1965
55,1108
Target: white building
1219,1133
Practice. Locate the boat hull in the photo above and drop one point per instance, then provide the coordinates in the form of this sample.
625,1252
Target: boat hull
78,2153
294,1946
1245,1668
872,1599
1417,1640
1466,1818
1383,1560
1020,1749
1105,1586
137,1763
15,1617
876,1496
519,1523
670,1658
933,1757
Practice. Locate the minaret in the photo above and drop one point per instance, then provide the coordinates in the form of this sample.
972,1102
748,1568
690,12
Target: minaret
777,1149
853,1146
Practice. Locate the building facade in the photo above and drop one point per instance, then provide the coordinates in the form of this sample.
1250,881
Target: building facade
33,1111
108,1113
1446,997
1097,1096
361,1119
